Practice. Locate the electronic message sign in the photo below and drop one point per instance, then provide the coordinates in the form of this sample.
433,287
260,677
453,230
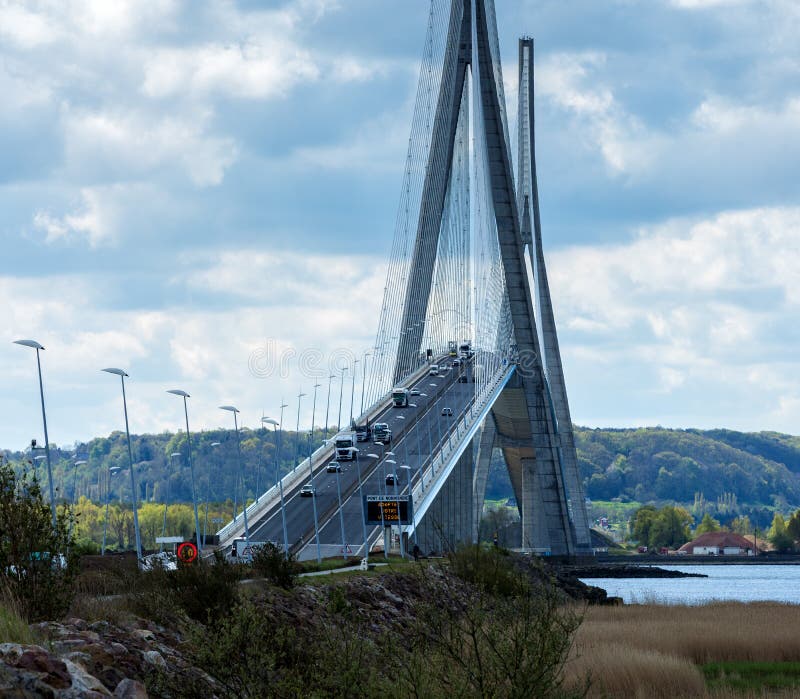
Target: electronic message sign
388,510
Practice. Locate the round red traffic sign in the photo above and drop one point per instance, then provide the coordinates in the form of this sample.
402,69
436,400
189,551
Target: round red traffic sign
187,552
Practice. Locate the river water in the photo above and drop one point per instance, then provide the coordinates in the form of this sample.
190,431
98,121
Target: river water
741,583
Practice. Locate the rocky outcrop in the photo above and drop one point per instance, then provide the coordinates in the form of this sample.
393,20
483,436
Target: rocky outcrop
90,660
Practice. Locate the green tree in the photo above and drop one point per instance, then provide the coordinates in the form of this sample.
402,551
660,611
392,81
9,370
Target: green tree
742,525
642,523
778,534
671,528
793,526
36,561
707,524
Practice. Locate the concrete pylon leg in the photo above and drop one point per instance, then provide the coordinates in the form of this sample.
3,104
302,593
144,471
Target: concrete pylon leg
486,444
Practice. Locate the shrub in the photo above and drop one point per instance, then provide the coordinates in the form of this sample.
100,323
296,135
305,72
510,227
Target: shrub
491,569
201,591
270,562
37,563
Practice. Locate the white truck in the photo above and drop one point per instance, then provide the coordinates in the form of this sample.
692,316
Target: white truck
345,445
400,397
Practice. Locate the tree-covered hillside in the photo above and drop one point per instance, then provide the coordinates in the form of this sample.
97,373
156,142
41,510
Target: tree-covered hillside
652,464
722,472
730,470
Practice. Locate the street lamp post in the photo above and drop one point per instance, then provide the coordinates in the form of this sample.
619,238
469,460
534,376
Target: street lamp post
341,391
82,462
274,423
184,395
122,375
35,345
280,444
383,487
364,375
300,396
353,389
112,471
328,406
407,469
311,473
173,455
213,445
235,411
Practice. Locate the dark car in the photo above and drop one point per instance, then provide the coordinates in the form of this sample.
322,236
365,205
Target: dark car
462,378
334,467
447,412
391,478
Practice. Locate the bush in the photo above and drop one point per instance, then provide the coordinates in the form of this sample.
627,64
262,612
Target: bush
270,562
201,591
37,562
491,569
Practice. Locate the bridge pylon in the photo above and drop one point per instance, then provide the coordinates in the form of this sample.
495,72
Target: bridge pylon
530,420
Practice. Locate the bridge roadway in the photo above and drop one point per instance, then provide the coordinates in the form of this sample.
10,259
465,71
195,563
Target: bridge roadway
416,432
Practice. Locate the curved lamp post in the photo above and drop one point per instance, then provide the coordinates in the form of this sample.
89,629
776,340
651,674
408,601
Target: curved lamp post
35,345
74,487
234,410
275,423
122,375
184,395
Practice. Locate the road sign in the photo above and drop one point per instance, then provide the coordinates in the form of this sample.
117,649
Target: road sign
388,510
187,552
169,539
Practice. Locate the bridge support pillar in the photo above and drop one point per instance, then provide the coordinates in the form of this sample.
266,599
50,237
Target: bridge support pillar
449,520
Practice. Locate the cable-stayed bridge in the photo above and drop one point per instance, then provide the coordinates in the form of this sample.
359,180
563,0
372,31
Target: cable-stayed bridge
466,291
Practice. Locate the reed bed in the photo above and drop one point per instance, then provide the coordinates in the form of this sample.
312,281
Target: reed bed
654,651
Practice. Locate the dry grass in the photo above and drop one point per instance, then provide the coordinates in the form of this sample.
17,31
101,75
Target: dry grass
654,651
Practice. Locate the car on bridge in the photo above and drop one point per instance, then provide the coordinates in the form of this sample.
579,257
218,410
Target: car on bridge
462,378
334,467
414,392
456,362
391,478
447,412
308,491
433,370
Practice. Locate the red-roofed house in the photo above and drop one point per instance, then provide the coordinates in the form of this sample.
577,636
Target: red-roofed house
720,544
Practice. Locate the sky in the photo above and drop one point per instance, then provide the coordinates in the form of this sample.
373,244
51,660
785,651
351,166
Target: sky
204,194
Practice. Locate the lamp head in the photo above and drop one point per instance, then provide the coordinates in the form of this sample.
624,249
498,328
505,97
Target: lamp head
117,372
229,408
269,421
178,392
29,343
81,462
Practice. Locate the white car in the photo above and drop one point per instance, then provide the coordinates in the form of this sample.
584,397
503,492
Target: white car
414,392
308,491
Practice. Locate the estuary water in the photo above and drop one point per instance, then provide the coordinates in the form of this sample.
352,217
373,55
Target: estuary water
740,583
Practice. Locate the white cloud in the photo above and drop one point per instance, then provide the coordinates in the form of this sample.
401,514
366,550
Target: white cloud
706,306
256,70
95,220
131,145
571,82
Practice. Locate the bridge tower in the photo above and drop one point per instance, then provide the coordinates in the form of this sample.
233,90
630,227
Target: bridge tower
530,420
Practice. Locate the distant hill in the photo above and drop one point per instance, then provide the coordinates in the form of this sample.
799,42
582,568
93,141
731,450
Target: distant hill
744,473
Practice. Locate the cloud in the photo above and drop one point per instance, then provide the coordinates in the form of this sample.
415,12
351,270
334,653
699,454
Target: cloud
690,304
94,221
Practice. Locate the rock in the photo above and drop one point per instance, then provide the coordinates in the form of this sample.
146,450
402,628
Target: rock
35,659
117,648
130,689
143,634
84,683
154,658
